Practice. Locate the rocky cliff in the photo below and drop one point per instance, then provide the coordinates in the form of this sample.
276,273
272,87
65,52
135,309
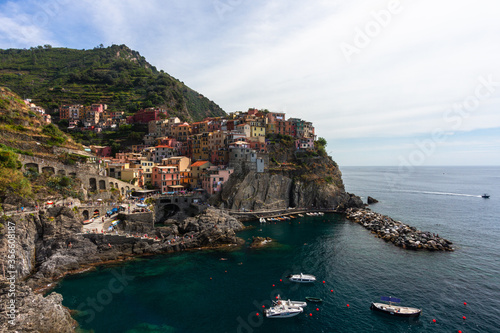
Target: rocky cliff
304,180
48,244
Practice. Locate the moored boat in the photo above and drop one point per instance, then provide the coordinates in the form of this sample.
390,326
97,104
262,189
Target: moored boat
282,311
313,299
289,303
88,221
302,278
395,310
262,220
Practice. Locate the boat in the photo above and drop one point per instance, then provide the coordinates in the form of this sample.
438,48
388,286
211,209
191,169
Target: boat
289,303
302,278
262,220
313,299
88,221
281,310
485,196
395,310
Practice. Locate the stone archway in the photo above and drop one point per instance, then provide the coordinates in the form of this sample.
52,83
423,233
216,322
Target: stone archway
102,184
31,166
93,184
48,169
170,210
123,191
85,214
111,185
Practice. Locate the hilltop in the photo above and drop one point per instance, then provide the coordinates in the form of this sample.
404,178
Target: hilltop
115,75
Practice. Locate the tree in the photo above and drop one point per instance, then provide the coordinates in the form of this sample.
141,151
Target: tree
321,141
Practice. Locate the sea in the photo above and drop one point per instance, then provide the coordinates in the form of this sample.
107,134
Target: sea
226,290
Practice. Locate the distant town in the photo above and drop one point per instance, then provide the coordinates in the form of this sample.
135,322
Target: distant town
177,156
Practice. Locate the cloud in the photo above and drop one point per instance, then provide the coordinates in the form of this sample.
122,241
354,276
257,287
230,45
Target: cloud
287,56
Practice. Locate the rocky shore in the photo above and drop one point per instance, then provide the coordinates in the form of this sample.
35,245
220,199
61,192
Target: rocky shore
398,233
258,242
49,245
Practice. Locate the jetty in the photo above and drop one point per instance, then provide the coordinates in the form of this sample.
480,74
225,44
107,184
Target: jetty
273,213
398,233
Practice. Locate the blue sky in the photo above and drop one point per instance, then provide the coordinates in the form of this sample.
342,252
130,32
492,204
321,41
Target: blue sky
385,82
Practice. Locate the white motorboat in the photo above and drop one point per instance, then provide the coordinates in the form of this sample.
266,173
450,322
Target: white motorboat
282,311
289,303
395,310
302,278
262,220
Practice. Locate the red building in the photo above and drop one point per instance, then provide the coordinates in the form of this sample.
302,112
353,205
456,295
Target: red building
147,115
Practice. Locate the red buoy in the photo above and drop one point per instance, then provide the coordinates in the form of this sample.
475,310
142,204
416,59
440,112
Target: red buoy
257,314
465,303
317,309
281,280
323,281
310,315
347,305
331,290
273,285
459,331
464,318
433,320
263,306
276,297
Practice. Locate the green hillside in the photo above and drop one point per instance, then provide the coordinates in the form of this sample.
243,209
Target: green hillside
115,75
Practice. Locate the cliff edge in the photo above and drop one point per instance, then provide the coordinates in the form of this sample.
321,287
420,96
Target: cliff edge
303,179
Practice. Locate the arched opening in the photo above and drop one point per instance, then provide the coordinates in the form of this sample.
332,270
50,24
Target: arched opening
123,191
61,172
111,185
48,169
85,214
31,166
102,184
170,210
93,184
72,174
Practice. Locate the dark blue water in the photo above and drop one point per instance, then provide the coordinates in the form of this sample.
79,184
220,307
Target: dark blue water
199,292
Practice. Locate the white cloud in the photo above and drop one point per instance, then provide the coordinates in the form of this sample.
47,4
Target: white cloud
285,55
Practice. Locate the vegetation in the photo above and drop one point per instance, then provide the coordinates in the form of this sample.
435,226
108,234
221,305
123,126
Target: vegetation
12,180
320,146
115,75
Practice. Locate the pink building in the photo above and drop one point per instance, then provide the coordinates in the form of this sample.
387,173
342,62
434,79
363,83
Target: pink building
214,177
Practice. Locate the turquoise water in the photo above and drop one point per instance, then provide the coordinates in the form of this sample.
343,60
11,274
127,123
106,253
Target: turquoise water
198,292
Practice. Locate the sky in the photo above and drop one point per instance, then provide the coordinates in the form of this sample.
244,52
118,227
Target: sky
404,83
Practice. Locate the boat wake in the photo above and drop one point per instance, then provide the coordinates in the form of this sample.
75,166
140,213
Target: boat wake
441,193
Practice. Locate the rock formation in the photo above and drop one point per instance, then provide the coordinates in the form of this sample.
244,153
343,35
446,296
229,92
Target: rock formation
398,233
49,244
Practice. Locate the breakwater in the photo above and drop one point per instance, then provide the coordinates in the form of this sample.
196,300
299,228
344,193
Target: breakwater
398,233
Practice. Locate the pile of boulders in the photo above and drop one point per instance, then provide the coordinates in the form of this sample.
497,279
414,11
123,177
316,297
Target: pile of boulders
397,232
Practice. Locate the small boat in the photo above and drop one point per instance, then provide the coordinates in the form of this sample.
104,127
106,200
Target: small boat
88,221
485,196
395,310
289,303
302,278
313,299
262,220
301,215
282,311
